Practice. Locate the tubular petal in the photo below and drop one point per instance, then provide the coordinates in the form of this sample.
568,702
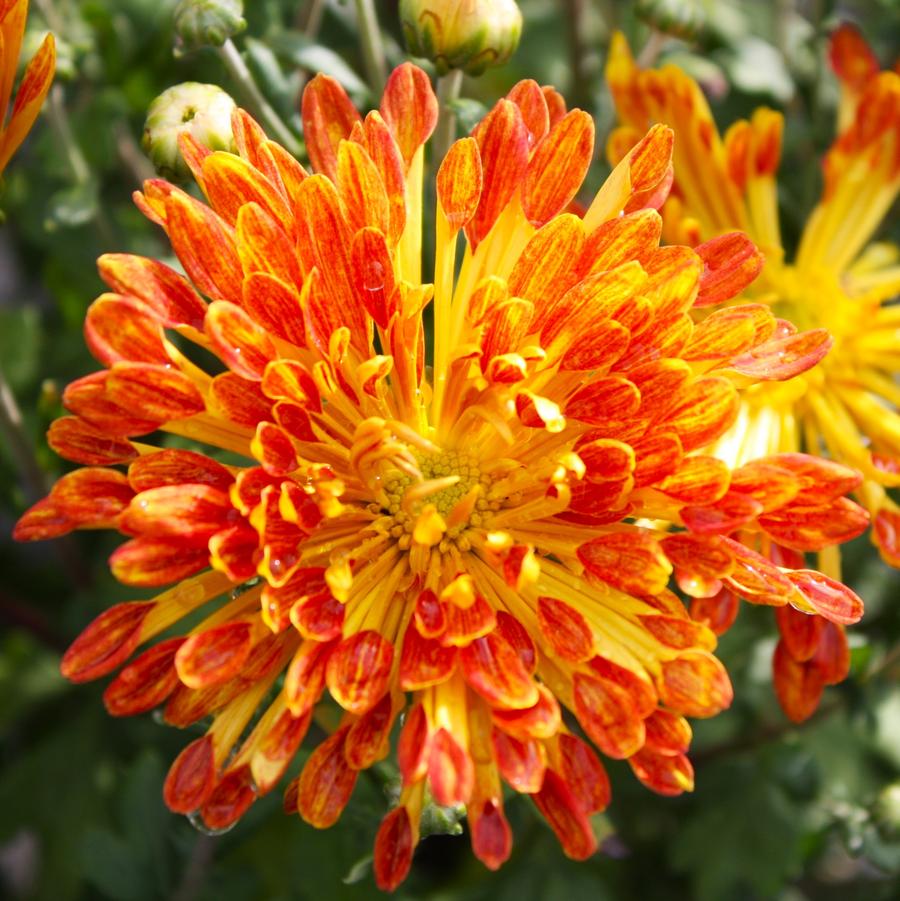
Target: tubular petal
106,643
326,783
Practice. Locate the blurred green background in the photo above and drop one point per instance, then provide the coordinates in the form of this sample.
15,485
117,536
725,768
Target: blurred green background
780,812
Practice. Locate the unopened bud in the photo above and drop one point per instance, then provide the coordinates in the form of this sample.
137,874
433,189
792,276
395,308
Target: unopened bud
204,110
472,35
207,23
683,19
887,810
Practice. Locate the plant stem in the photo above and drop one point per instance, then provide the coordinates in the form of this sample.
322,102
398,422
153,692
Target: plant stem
131,156
309,17
448,90
309,21
270,119
372,45
49,12
81,171
775,731
582,58
59,122
12,427
650,51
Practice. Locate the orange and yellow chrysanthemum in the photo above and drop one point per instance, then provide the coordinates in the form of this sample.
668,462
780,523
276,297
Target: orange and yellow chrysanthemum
836,284
469,548
15,125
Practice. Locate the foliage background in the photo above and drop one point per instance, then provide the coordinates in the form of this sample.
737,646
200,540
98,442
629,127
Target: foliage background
780,812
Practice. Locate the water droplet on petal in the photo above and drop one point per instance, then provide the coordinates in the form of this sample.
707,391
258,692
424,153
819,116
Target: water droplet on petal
197,822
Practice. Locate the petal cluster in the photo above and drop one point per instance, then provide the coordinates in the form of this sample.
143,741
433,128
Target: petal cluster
16,121
460,554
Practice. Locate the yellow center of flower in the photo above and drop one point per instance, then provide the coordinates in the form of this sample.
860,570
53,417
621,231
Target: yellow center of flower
447,496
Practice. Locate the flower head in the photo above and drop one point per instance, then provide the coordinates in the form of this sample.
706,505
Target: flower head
837,284
15,124
467,540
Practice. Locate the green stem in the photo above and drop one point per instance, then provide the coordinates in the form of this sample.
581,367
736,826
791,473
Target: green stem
582,59
775,731
54,21
12,427
309,17
59,122
81,171
372,45
448,90
131,156
309,21
271,121
650,51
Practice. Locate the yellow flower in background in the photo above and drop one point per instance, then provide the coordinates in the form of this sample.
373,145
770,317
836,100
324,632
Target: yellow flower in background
15,124
847,406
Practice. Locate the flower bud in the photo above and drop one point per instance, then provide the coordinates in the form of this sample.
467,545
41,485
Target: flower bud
207,23
683,19
472,35
204,110
887,810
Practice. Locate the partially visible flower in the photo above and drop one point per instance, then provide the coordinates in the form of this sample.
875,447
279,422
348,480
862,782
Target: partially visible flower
202,110
15,125
476,544
856,66
472,35
208,23
847,406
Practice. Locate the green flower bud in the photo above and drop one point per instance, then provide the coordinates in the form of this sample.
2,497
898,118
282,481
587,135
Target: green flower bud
204,110
887,810
207,23
683,19
472,35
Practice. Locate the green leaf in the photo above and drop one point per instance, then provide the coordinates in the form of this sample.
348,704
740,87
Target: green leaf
755,66
744,833
307,54
111,865
359,871
264,65
468,113
72,207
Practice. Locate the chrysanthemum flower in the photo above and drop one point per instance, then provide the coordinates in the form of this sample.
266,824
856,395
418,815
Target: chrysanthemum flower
846,407
35,83
471,552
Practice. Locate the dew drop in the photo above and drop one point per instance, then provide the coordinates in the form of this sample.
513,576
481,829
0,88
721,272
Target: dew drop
197,822
244,587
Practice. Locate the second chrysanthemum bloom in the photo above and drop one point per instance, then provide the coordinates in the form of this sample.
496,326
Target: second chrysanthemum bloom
838,281
478,537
